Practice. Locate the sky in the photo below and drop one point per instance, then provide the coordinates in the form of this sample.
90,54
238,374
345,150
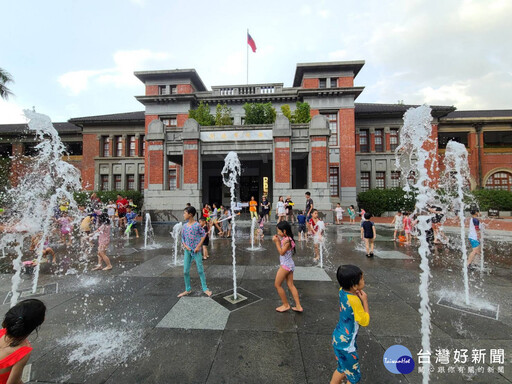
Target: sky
77,58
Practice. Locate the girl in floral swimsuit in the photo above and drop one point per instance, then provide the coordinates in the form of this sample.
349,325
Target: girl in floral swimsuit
286,247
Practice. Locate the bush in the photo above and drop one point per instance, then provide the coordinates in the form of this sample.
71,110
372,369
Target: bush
301,115
82,198
223,115
378,201
259,113
493,199
202,115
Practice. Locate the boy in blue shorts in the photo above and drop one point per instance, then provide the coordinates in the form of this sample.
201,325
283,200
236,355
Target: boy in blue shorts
130,220
354,312
301,219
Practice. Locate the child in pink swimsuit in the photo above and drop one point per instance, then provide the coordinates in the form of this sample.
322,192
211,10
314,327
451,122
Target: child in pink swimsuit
286,247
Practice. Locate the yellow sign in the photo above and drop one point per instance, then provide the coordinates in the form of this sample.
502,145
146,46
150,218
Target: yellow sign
265,185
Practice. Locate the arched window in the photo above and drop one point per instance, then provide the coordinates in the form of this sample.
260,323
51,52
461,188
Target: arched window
500,180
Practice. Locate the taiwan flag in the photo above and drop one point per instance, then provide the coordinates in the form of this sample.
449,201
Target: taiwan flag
251,42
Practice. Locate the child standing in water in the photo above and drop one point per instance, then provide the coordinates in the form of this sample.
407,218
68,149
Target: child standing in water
317,228
206,242
19,322
368,233
286,247
339,213
354,312
352,213
192,237
301,219
103,241
399,225
474,237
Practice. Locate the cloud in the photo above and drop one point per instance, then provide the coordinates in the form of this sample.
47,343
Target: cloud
121,75
11,113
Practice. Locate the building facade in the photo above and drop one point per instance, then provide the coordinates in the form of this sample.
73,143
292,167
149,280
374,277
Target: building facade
347,147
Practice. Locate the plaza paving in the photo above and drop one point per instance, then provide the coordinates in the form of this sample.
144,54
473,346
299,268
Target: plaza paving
128,326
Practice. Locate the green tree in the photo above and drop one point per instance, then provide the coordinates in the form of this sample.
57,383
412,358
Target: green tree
223,115
301,115
202,114
5,78
259,113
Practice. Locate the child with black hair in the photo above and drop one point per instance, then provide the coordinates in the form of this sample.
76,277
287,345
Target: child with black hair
206,228
354,312
103,233
19,322
192,237
474,238
368,233
285,245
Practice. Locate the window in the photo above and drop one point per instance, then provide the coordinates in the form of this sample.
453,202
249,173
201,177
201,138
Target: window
379,140
393,138
141,182
322,83
365,181
444,137
5,150
334,181
500,180
119,146
380,180
106,146
411,179
163,90
334,82
104,183
130,182
117,183
74,148
142,146
172,179
395,179
132,146
170,121
363,141
30,149
332,118
173,89
498,139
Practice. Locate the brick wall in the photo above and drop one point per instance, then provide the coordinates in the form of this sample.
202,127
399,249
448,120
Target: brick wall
282,161
310,83
181,118
190,163
347,81
91,149
319,160
184,88
155,165
347,148
151,90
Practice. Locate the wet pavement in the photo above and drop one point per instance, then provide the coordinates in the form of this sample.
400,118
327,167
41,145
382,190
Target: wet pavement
128,326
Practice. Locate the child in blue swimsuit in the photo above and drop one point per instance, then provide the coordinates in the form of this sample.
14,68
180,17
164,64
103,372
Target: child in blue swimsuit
354,312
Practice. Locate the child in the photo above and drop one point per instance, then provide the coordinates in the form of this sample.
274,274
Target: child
474,237
399,225
286,247
317,227
407,225
47,250
354,312
261,223
301,219
352,214
226,232
362,213
65,228
288,204
103,241
206,242
339,213
192,236
368,233
253,208
111,209
19,322
281,210
131,223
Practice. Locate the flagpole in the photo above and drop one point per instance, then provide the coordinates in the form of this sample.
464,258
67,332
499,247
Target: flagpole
247,49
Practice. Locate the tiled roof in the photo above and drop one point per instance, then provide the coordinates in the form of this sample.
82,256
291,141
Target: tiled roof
114,117
23,128
480,114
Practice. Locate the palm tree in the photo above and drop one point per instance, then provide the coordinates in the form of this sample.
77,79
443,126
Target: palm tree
5,78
